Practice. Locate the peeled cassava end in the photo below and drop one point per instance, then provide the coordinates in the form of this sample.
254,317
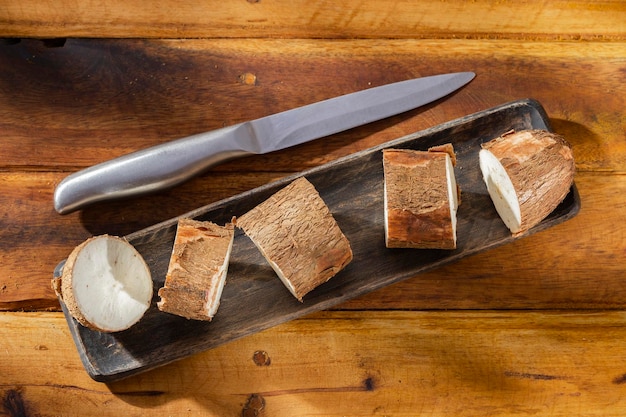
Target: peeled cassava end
527,173
106,285
297,234
197,270
420,198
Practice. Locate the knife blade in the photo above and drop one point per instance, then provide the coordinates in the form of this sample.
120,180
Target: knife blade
171,163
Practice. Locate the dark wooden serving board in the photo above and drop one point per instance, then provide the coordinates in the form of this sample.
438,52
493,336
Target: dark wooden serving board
255,299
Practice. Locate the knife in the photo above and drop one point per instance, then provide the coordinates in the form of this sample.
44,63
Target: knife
171,163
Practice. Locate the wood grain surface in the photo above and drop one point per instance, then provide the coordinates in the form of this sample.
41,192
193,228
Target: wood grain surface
392,363
603,20
534,327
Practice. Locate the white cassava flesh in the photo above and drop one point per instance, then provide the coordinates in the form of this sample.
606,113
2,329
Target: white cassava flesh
527,174
420,198
106,285
297,234
197,270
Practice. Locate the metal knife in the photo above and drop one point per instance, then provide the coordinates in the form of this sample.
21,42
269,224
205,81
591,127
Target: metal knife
171,163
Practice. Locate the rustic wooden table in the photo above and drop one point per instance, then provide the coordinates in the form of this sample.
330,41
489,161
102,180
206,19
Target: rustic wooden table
533,327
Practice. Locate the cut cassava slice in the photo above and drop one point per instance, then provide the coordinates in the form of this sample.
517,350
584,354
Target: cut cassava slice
106,285
197,270
421,198
527,173
297,234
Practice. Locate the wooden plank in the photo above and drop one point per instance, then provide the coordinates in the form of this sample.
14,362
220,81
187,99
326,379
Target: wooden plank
358,364
304,19
92,100
574,265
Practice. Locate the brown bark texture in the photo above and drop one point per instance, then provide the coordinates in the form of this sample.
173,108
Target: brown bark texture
417,203
298,236
197,269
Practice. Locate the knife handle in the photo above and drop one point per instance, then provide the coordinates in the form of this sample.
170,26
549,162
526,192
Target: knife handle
152,169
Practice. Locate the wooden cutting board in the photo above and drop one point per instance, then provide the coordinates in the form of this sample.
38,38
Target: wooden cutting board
254,298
